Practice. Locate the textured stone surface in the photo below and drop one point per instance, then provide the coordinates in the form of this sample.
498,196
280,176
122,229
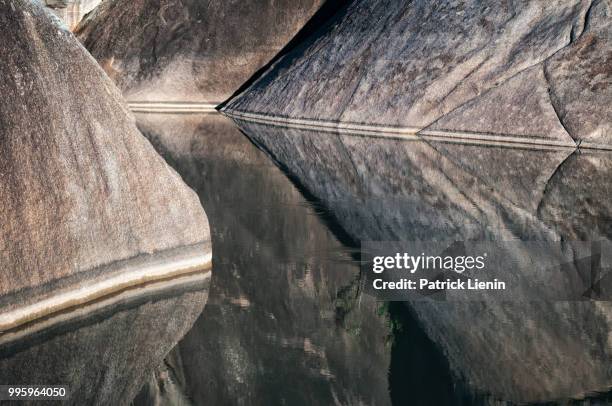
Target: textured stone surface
389,190
81,187
575,202
529,69
580,79
189,50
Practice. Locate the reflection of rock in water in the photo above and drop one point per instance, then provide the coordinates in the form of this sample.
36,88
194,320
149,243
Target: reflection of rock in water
529,71
385,190
285,321
166,385
575,201
189,50
104,354
87,207
534,74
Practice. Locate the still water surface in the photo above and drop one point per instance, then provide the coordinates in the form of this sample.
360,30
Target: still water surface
284,323
287,321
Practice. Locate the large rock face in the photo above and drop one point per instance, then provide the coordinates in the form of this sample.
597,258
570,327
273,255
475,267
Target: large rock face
81,187
521,71
397,190
87,207
195,51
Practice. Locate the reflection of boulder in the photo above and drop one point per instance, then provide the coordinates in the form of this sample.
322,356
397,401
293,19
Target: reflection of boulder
460,191
87,207
189,50
577,198
283,321
104,354
529,72
386,190
56,3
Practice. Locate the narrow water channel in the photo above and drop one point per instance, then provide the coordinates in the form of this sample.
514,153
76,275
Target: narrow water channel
287,321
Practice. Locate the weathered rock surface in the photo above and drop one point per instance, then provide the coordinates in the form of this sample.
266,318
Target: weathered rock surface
192,51
525,70
574,202
81,188
71,11
393,190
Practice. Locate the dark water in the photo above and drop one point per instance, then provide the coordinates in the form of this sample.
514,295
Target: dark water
101,354
287,320
521,350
